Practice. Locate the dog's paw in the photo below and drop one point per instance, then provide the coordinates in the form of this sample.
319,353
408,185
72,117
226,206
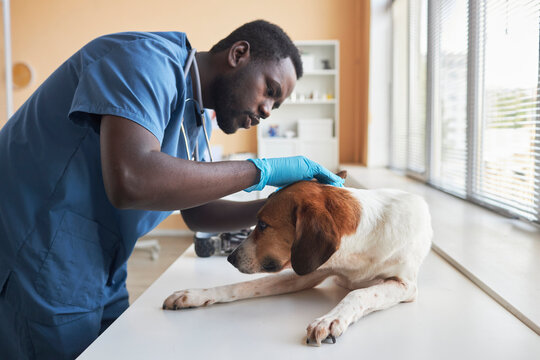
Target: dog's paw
185,299
325,328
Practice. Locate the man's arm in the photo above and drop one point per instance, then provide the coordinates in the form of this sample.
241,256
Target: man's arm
223,215
137,175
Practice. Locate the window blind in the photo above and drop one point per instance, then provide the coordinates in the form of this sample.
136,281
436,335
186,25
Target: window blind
480,123
449,123
506,172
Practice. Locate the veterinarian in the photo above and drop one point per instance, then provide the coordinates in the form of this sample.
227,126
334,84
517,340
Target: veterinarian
97,157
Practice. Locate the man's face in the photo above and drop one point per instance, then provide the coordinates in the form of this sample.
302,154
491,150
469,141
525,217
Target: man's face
249,93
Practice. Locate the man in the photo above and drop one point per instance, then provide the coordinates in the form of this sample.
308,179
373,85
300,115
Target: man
97,157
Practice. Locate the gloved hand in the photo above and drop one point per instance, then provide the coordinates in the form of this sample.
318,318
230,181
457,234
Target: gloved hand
284,171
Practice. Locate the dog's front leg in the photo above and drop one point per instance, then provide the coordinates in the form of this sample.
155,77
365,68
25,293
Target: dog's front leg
358,303
266,286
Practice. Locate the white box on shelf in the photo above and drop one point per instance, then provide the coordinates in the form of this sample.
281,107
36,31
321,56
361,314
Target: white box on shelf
323,151
308,62
316,97
315,129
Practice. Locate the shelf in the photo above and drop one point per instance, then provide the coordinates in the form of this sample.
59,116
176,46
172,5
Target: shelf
310,102
276,138
316,43
293,139
320,72
321,78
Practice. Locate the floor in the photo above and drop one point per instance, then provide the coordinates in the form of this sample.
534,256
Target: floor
143,270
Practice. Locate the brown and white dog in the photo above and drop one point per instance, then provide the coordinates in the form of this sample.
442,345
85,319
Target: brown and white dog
372,241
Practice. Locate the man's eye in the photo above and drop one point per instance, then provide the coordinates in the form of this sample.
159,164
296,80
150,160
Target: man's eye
262,225
270,92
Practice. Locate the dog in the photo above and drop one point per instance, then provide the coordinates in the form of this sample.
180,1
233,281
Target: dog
372,242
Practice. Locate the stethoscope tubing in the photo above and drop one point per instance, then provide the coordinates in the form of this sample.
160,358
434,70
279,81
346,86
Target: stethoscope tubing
191,64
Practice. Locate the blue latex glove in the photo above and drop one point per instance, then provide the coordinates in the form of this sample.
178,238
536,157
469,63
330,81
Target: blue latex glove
284,171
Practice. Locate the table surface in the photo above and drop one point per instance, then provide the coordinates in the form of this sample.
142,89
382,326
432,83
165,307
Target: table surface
452,319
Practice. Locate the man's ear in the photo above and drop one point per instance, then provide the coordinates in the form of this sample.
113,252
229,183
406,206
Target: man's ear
239,53
316,239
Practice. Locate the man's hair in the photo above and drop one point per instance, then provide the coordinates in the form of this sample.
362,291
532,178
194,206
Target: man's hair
267,42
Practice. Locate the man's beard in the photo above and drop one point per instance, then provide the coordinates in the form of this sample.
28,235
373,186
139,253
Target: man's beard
225,93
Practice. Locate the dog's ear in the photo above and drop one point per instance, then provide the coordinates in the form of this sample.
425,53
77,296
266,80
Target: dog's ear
342,174
316,238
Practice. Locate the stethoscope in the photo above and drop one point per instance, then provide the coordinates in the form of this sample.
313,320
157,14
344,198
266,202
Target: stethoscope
199,108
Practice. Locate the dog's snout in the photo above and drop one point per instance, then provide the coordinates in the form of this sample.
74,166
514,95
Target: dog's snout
242,258
232,258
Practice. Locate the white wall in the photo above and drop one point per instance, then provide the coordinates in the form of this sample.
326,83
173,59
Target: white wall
6,93
379,83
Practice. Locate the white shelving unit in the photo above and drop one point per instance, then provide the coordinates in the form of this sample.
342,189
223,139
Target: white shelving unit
307,123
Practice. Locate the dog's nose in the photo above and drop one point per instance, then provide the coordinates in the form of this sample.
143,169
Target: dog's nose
232,258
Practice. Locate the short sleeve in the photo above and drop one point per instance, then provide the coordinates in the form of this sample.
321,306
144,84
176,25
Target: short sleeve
140,81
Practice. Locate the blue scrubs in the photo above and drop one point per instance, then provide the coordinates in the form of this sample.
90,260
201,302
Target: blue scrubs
63,246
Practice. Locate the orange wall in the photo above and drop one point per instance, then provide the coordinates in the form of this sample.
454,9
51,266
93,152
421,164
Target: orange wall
45,33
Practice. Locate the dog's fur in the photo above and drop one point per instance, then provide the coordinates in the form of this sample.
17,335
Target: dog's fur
372,241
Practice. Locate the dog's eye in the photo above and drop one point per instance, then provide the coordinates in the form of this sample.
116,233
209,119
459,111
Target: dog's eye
261,225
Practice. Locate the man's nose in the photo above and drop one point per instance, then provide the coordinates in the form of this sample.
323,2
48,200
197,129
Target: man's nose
265,109
232,258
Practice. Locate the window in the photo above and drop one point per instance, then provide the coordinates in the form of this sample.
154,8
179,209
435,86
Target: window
508,150
449,122
470,122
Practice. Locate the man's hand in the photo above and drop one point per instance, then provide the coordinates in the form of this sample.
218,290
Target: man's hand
284,171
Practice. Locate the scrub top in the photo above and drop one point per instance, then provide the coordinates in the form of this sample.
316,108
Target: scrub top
63,245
